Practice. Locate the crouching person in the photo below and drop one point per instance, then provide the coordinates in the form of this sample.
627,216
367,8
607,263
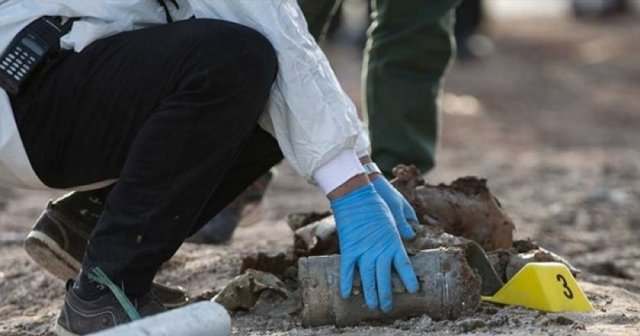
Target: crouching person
170,113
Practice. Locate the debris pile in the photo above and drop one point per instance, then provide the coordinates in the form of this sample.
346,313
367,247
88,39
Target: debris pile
464,248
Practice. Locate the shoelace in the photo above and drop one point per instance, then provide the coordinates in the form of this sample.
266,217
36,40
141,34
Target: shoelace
96,274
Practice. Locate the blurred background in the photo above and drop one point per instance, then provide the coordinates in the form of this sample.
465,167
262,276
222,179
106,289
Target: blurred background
543,101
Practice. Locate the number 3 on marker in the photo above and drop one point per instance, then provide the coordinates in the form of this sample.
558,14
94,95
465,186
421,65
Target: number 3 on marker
568,293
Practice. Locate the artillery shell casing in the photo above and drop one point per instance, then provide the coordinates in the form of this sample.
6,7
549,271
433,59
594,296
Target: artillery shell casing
449,289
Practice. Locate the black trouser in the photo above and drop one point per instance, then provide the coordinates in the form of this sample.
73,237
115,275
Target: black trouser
171,111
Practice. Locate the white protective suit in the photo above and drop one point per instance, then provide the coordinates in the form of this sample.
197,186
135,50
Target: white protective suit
313,120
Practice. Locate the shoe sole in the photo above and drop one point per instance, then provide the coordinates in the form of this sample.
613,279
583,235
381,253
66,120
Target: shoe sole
51,256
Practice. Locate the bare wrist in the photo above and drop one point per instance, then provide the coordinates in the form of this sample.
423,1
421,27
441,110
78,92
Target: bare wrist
350,185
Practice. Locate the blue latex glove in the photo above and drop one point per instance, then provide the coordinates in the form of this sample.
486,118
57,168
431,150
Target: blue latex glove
369,239
400,208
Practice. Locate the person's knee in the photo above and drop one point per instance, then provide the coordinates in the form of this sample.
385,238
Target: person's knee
240,44
222,59
263,54
259,55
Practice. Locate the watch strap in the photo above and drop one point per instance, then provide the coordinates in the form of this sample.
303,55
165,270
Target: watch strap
371,168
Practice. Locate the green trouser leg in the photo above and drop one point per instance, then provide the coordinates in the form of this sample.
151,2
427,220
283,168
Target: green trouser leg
318,14
409,49
408,52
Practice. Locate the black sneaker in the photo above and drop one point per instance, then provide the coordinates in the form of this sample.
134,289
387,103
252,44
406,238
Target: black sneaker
219,229
81,317
58,240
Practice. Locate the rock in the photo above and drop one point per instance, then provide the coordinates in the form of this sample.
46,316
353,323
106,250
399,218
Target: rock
563,320
471,324
271,263
517,261
244,290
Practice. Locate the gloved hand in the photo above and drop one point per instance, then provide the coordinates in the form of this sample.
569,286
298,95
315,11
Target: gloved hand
369,239
400,208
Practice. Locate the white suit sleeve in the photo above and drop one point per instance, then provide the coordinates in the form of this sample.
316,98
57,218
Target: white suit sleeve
312,118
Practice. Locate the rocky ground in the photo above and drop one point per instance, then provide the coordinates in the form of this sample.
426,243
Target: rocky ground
551,119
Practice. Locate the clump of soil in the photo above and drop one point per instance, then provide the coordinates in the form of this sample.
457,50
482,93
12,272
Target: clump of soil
465,208
275,264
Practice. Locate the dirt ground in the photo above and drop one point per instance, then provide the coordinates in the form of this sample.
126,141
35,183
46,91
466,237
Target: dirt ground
551,119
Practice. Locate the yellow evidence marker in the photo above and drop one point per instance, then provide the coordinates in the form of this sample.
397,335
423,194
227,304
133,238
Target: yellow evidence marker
546,286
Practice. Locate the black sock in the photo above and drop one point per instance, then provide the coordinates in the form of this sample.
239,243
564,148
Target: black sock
86,289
